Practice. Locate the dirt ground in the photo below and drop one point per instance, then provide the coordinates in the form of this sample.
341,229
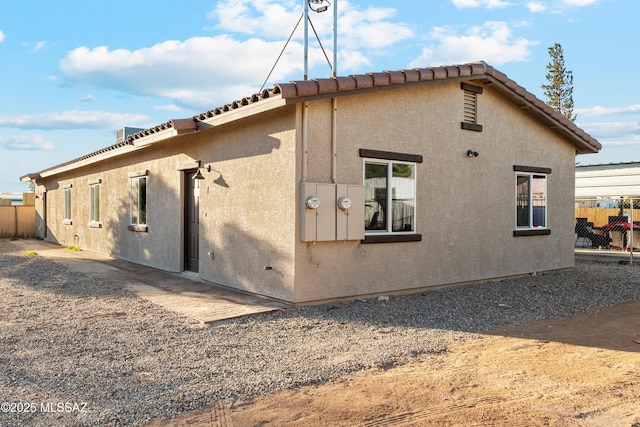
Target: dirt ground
581,371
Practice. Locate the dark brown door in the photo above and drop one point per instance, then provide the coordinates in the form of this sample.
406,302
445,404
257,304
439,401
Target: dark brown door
191,221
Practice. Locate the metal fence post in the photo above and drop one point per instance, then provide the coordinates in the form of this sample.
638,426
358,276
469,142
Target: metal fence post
631,203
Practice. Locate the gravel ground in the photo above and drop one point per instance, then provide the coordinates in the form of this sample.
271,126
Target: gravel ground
79,351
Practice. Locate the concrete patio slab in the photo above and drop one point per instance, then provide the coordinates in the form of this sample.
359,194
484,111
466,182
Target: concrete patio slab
183,293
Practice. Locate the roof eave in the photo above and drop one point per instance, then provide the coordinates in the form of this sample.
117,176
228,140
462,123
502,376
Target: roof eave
86,162
584,143
222,116
316,89
29,177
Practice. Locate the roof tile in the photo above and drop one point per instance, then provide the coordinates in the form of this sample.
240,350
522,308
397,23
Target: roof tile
452,71
411,76
309,88
363,81
346,84
327,85
465,70
306,87
425,74
439,73
380,79
397,77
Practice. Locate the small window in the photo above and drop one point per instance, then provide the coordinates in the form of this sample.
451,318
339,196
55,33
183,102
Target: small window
390,196
94,207
531,201
67,206
139,201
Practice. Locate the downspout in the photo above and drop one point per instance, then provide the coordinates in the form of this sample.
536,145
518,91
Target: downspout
305,154
305,118
334,100
334,140
630,243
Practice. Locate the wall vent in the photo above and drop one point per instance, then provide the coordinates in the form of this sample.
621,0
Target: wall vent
470,118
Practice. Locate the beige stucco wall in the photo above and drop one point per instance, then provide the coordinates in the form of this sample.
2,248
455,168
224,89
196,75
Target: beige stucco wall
113,238
465,206
250,204
246,204
248,221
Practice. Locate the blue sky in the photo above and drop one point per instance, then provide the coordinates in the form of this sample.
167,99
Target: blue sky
74,71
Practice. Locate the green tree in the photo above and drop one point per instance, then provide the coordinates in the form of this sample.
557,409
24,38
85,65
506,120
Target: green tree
559,87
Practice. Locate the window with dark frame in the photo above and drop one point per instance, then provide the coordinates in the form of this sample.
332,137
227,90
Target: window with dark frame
390,196
139,201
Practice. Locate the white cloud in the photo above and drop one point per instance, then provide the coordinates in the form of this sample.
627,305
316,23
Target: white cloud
34,48
200,72
579,3
88,98
489,4
275,20
352,60
168,107
1,36
370,29
605,111
492,42
203,72
617,129
536,7
25,142
74,119
268,20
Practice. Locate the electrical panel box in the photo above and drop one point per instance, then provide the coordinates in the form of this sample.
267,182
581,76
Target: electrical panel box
350,212
319,215
331,212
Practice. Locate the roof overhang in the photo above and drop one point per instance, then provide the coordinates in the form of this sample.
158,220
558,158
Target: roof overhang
583,142
310,90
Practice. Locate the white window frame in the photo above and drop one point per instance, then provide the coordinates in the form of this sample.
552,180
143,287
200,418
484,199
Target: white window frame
389,196
67,205
531,199
94,217
134,206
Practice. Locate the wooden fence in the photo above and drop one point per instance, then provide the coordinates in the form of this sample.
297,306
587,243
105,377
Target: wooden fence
600,216
17,221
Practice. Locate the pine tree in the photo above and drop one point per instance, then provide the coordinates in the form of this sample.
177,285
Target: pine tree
559,87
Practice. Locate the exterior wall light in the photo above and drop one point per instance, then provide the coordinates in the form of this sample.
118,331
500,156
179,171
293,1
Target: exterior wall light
198,174
471,153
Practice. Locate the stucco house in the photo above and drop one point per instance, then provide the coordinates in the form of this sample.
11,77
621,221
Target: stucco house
337,187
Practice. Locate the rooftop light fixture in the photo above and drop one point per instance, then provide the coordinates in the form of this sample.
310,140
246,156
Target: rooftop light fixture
321,5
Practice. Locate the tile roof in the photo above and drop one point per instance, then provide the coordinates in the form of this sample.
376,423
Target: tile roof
304,90
301,90
477,70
